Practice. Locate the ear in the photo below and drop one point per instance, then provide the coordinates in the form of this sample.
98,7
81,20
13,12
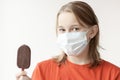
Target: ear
93,31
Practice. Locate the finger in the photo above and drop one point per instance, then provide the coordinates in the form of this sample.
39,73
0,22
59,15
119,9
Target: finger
22,73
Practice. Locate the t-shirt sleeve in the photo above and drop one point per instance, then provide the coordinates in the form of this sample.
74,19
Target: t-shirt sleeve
37,73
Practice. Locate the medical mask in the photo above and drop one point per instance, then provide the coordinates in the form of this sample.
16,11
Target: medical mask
72,43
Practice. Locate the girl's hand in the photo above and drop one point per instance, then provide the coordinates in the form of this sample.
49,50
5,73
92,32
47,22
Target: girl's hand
22,76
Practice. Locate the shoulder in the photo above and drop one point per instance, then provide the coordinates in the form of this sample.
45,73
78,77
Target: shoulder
43,69
109,67
47,63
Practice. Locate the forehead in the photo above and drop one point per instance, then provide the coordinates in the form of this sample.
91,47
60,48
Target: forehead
67,19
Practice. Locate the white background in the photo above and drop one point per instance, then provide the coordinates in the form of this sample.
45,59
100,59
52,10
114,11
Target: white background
32,22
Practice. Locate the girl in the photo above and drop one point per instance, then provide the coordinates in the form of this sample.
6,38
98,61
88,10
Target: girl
78,37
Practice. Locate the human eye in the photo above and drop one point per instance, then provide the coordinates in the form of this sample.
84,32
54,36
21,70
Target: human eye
61,30
76,29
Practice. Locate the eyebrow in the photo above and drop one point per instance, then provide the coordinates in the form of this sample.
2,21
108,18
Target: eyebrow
59,26
75,25
70,26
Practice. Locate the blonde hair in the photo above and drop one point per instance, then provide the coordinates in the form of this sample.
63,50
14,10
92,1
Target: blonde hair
83,12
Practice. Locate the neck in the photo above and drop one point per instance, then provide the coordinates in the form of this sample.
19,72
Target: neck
80,59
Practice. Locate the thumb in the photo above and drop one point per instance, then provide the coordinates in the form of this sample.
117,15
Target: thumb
22,73
24,78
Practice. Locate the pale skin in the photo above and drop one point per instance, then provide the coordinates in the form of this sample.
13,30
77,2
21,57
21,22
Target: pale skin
67,22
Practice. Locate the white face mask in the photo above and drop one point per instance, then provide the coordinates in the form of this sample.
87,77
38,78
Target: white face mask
72,43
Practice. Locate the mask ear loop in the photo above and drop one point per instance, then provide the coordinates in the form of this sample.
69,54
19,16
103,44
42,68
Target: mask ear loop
88,39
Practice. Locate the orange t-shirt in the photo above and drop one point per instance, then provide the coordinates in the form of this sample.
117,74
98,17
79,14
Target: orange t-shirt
49,70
